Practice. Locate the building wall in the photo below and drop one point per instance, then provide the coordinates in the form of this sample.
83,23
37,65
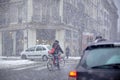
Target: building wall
114,20
1,44
46,11
99,17
77,16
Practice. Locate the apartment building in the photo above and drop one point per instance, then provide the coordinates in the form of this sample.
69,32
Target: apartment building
24,23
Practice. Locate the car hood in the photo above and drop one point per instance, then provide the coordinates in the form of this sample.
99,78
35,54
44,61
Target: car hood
98,74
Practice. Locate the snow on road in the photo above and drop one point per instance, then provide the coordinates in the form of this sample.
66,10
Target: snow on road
12,63
75,58
18,62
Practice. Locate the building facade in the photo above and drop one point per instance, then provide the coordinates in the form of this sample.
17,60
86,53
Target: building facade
100,19
24,23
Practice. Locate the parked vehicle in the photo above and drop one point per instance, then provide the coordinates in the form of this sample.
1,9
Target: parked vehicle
36,52
100,61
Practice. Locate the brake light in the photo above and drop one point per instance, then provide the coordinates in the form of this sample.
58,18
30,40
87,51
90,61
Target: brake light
72,75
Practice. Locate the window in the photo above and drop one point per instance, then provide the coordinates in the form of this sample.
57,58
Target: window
68,34
109,56
44,48
39,48
31,49
37,10
13,13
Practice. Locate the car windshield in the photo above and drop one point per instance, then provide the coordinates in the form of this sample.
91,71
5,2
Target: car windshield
101,56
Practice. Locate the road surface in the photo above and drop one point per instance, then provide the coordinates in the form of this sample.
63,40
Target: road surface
37,71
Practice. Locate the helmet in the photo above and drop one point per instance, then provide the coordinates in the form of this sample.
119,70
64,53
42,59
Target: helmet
56,41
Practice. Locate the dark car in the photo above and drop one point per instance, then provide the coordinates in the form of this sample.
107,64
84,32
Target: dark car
100,61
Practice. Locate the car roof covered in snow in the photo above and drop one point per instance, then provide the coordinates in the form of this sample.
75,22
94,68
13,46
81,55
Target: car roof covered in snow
103,43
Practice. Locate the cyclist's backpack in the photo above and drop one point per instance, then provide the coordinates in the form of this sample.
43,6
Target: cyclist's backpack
51,51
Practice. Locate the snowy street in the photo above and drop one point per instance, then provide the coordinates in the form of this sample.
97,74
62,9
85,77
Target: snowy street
34,70
6,63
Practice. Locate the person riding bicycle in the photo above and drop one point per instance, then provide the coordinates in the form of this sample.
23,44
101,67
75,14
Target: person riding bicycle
57,51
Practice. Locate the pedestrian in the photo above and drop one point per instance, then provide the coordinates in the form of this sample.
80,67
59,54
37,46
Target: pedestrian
58,50
99,39
67,52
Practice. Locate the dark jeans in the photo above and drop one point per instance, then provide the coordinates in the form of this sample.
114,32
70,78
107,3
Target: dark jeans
67,55
56,60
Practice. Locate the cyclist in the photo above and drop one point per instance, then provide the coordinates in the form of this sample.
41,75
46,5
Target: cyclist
56,53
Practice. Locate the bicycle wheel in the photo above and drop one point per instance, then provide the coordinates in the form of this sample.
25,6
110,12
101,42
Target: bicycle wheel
50,65
62,62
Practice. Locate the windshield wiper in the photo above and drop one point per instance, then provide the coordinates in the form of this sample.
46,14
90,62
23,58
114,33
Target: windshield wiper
107,66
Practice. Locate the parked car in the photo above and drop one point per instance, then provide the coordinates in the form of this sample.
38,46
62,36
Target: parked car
36,52
100,61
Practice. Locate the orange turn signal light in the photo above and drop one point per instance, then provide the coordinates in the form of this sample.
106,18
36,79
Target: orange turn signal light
73,74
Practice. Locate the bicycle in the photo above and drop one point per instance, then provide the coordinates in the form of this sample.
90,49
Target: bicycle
62,61
52,64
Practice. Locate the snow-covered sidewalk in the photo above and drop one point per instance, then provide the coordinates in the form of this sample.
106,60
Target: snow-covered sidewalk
14,63
9,58
9,62
18,58
73,58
